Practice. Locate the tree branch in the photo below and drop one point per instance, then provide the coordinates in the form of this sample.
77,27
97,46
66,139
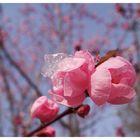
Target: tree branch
66,112
16,66
10,97
64,124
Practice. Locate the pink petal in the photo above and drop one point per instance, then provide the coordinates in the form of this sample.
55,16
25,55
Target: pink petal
113,63
75,83
131,74
75,101
121,94
89,59
58,81
56,96
124,60
68,101
44,109
121,70
123,75
100,86
46,132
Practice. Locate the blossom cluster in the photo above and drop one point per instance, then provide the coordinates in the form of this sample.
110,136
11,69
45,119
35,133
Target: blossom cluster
112,81
76,77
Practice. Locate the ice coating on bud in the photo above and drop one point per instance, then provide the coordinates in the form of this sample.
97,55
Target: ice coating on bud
71,79
83,110
111,81
51,63
46,132
44,109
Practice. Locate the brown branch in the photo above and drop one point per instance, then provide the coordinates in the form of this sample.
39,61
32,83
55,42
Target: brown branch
74,126
71,110
17,67
64,124
9,94
109,54
66,112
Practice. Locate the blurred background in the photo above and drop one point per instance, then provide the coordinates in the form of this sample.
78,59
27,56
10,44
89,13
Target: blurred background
29,31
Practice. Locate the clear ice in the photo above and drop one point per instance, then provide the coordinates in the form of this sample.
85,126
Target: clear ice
51,63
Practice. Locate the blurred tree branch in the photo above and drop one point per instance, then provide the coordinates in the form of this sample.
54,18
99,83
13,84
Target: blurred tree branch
13,63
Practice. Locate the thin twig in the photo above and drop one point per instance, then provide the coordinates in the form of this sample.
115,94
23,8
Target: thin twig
66,112
15,65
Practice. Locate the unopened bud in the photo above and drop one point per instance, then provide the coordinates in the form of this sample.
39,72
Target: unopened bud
120,9
120,132
46,132
44,109
78,47
83,110
138,12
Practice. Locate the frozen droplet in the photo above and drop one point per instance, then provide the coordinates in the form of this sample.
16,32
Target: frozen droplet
51,63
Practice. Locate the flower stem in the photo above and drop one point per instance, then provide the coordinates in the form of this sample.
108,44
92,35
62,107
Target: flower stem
66,112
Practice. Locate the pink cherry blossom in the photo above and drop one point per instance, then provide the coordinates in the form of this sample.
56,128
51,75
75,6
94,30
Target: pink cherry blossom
46,132
113,82
44,109
89,60
71,79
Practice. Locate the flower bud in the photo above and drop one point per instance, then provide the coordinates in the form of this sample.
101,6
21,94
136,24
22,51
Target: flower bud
126,26
78,47
120,9
46,132
44,109
138,12
83,110
18,119
120,132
